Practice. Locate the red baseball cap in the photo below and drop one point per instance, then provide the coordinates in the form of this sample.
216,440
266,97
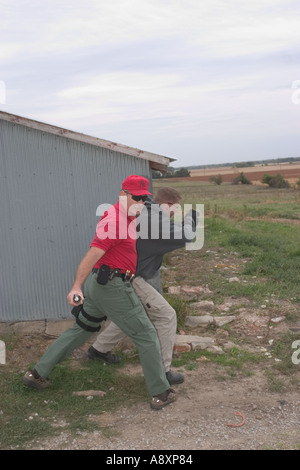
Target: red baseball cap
136,185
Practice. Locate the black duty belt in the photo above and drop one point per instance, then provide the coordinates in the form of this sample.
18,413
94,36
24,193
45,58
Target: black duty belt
128,276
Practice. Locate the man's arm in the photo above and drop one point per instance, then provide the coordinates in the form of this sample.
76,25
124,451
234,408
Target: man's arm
180,233
85,267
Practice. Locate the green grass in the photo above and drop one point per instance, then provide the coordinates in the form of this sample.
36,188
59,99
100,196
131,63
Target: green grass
238,201
244,219
234,361
272,252
180,306
28,414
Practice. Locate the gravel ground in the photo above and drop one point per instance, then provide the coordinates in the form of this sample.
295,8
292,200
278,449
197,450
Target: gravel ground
198,420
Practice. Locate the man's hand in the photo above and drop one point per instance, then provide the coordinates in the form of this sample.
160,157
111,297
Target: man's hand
70,297
85,267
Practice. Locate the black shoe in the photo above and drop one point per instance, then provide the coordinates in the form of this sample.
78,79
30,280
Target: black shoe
108,357
174,378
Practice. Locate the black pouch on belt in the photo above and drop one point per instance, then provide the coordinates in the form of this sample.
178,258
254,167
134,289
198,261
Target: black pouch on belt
103,274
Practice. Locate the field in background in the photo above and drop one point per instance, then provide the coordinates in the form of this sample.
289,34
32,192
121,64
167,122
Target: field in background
289,171
257,223
237,201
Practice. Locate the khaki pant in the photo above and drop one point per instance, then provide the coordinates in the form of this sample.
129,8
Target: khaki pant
161,314
118,301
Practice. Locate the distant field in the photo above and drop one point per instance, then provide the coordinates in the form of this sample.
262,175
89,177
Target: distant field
237,201
290,172
261,224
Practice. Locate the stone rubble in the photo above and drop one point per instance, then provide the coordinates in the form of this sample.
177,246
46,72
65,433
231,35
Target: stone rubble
184,342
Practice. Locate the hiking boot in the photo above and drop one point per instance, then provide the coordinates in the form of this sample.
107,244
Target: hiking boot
174,378
163,399
108,357
34,380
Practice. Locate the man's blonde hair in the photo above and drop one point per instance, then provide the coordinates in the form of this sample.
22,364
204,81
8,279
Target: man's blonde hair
167,195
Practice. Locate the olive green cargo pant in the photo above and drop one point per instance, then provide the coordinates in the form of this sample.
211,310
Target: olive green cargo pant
118,301
161,315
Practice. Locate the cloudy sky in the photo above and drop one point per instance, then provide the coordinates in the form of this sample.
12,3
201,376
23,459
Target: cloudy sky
202,81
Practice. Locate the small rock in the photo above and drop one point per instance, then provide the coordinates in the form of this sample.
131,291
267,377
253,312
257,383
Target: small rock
277,319
87,393
196,290
212,349
184,347
203,320
294,329
202,359
234,279
193,342
175,290
229,345
203,305
221,321
224,310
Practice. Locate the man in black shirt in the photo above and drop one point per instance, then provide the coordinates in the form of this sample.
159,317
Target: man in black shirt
158,235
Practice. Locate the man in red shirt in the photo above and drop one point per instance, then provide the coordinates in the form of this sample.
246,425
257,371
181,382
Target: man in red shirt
107,269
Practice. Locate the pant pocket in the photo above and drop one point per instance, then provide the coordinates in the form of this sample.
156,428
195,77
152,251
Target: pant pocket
131,295
133,324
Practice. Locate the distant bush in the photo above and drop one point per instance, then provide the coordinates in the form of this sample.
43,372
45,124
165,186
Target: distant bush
171,173
244,164
241,179
218,179
182,172
276,181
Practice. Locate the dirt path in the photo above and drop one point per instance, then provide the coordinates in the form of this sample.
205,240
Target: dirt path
198,420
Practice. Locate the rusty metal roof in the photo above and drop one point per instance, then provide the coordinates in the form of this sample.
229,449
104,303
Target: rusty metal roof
158,162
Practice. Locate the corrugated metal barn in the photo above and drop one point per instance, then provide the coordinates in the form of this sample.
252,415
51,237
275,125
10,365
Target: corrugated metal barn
51,182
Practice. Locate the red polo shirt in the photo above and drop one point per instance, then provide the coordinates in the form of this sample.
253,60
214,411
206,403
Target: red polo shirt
116,235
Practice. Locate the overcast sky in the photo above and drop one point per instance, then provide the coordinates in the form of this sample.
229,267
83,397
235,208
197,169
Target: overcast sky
202,81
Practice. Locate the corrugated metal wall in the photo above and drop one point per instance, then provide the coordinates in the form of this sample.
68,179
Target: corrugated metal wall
50,188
